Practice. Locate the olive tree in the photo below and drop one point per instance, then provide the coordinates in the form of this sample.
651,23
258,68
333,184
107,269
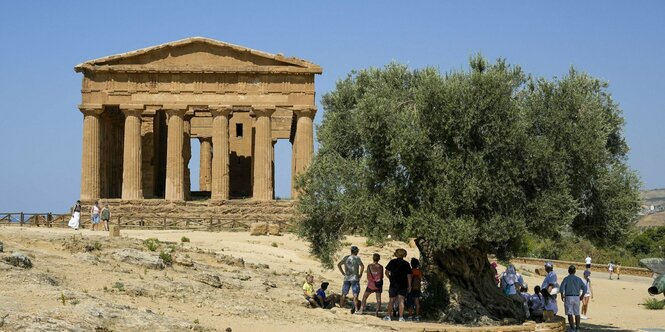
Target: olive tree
467,163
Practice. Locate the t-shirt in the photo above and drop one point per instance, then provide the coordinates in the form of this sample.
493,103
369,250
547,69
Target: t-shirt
550,303
320,292
309,289
536,301
573,285
351,267
399,271
95,209
416,277
106,214
588,260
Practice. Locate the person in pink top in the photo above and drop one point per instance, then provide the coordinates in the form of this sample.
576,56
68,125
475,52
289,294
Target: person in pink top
374,283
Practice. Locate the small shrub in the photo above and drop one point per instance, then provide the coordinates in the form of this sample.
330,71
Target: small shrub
62,298
166,257
97,246
274,244
119,286
152,243
75,302
653,304
196,321
184,239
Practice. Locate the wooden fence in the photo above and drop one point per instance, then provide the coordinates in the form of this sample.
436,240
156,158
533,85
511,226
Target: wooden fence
49,219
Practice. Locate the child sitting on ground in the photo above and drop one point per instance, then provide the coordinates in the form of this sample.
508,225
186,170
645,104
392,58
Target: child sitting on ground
536,305
308,291
325,301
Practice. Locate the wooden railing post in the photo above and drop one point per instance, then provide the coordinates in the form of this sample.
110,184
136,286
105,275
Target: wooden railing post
22,220
49,219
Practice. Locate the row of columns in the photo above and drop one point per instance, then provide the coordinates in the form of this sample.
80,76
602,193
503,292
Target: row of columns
177,182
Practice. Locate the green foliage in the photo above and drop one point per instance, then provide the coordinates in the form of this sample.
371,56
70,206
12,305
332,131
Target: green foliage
119,286
184,239
274,244
152,243
653,304
469,158
650,242
166,257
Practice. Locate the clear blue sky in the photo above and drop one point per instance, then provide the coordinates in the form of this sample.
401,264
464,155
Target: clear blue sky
622,42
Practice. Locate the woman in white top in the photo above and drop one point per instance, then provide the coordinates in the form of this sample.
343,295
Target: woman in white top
587,261
587,295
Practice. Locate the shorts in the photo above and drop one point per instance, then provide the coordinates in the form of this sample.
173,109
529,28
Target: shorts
370,291
396,290
95,219
588,266
353,285
572,305
411,298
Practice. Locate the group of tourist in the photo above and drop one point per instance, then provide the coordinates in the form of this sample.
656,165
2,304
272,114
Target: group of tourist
96,215
542,304
404,291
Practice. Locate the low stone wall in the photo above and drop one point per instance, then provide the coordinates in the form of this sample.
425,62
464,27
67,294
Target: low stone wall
635,271
559,325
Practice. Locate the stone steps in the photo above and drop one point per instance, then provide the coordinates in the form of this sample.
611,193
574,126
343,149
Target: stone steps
158,212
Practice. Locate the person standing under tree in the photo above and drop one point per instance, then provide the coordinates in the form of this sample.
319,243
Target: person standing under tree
352,272
106,216
374,283
399,274
549,289
587,262
572,292
413,299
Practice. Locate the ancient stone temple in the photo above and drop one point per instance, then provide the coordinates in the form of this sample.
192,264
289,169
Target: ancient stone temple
142,109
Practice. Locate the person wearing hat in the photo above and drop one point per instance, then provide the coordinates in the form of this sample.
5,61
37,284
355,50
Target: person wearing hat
399,273
573,290
549,289
587,295
352,272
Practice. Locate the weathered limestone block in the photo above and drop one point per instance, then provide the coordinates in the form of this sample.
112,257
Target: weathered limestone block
212,279
140,258
18,259
273,229
114,230
258,228
230,260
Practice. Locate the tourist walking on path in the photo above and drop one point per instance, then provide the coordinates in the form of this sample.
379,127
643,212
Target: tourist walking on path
610,268
374,283
352,272
587,262
549,289
75,221
617,269
94,215
587,295
399,273
106,216
573,290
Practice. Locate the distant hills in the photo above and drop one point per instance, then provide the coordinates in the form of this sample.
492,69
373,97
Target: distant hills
655,199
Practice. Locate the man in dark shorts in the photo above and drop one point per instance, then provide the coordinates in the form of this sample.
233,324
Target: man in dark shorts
399,272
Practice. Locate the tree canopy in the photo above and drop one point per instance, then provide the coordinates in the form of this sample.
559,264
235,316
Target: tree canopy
470,158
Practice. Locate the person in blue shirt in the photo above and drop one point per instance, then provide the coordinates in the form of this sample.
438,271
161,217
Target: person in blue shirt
322,299
536,305
549,289
572,290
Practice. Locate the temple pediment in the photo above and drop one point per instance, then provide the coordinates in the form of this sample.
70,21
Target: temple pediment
198,54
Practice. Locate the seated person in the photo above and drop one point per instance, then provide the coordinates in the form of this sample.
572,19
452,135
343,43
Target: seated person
308,291
322,299
537,304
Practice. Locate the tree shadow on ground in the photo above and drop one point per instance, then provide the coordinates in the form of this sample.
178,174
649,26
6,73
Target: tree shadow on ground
598,327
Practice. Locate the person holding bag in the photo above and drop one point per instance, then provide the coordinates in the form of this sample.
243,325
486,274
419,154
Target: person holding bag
374,283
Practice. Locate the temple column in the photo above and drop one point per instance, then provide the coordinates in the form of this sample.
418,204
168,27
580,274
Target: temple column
187,156
220,153
132,186
91,159
263,154
205,163
303,144
174,154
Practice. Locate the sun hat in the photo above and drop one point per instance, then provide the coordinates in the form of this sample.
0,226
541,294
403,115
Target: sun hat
400,253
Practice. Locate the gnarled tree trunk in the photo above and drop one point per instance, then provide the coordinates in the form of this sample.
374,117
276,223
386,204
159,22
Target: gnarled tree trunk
461,288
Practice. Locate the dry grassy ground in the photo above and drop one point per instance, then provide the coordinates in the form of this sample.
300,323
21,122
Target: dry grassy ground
217,281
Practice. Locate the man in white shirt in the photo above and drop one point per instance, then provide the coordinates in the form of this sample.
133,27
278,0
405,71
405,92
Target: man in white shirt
587,260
